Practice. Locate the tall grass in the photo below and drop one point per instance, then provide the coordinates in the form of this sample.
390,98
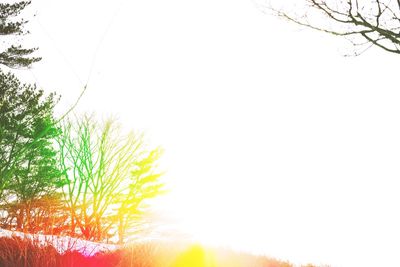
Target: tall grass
17,252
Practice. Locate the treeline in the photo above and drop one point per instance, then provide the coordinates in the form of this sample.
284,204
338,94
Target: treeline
78,177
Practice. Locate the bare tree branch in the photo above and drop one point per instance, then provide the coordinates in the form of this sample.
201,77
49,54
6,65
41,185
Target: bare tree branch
376,21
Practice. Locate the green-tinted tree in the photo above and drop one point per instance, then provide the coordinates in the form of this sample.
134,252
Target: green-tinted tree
364,23
28,166
109,176
14,55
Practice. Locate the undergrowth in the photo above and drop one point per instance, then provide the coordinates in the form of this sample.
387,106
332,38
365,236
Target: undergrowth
17,252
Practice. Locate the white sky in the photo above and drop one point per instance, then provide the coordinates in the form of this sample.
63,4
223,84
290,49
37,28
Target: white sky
275,143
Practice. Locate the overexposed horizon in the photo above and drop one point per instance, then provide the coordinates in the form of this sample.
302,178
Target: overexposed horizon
274,141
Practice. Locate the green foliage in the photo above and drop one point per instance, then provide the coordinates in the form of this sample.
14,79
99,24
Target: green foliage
28,167
109,176
15,56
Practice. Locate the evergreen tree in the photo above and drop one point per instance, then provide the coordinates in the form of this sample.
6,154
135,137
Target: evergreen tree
28,171
14,55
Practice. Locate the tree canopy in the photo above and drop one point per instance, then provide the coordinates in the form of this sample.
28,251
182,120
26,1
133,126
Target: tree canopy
81,178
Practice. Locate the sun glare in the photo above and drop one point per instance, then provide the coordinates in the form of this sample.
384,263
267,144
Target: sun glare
195,256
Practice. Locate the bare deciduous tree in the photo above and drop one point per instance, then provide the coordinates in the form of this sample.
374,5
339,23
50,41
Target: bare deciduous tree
108,174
